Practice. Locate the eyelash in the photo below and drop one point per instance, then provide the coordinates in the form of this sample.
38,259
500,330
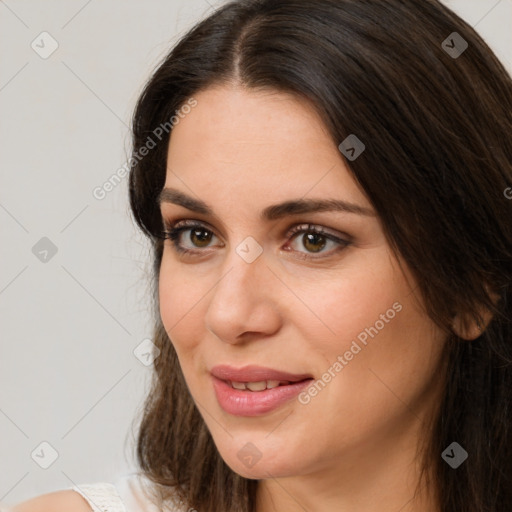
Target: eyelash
173,231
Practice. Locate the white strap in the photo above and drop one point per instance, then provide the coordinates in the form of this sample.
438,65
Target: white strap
102,497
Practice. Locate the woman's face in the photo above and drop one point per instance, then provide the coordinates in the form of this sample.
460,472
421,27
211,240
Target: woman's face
334,307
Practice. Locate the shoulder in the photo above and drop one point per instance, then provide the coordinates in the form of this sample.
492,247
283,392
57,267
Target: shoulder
58,501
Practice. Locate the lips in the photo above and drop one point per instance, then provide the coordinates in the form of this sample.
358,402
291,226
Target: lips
255,390
254,373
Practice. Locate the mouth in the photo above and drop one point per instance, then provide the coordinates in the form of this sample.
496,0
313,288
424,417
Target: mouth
255,390
259,385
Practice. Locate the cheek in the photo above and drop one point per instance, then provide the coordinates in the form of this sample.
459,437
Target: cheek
338,310
373,321
388,362
180,303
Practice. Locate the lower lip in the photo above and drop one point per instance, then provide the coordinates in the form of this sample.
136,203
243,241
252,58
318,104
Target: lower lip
254,403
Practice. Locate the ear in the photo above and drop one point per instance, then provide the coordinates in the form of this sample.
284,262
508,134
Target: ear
473,328
470,330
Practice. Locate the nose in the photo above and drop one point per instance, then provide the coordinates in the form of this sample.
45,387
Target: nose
244,301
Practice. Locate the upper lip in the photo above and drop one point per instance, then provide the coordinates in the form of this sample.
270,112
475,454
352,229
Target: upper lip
253,373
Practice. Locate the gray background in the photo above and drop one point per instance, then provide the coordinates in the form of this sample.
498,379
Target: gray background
70,323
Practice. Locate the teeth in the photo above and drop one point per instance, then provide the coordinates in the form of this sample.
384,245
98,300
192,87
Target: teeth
256,386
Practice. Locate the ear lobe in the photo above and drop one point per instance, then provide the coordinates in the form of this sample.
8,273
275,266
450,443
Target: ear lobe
473,328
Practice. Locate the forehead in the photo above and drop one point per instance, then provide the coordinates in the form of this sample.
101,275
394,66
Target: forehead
273,142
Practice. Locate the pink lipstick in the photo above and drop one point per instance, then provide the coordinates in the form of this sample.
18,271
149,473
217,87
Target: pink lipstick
255,390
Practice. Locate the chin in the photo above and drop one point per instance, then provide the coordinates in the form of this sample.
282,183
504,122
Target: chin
260,470
258,460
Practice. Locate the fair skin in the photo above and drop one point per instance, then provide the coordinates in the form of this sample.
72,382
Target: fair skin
59,501
353,446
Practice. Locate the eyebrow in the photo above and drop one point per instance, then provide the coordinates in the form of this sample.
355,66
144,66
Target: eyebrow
273,212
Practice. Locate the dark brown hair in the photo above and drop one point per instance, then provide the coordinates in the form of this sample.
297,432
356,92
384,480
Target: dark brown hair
438,159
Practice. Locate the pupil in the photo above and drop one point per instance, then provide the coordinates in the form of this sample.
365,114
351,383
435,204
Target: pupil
313,239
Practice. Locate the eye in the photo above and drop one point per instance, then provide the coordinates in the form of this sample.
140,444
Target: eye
199,235
315,239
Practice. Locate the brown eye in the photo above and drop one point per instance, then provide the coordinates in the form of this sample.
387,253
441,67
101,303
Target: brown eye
314,239
200,237
313,242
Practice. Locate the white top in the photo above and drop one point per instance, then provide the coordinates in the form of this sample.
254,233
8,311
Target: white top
132,492
129,493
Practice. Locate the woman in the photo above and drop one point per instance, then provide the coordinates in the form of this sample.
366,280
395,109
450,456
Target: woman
332,261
